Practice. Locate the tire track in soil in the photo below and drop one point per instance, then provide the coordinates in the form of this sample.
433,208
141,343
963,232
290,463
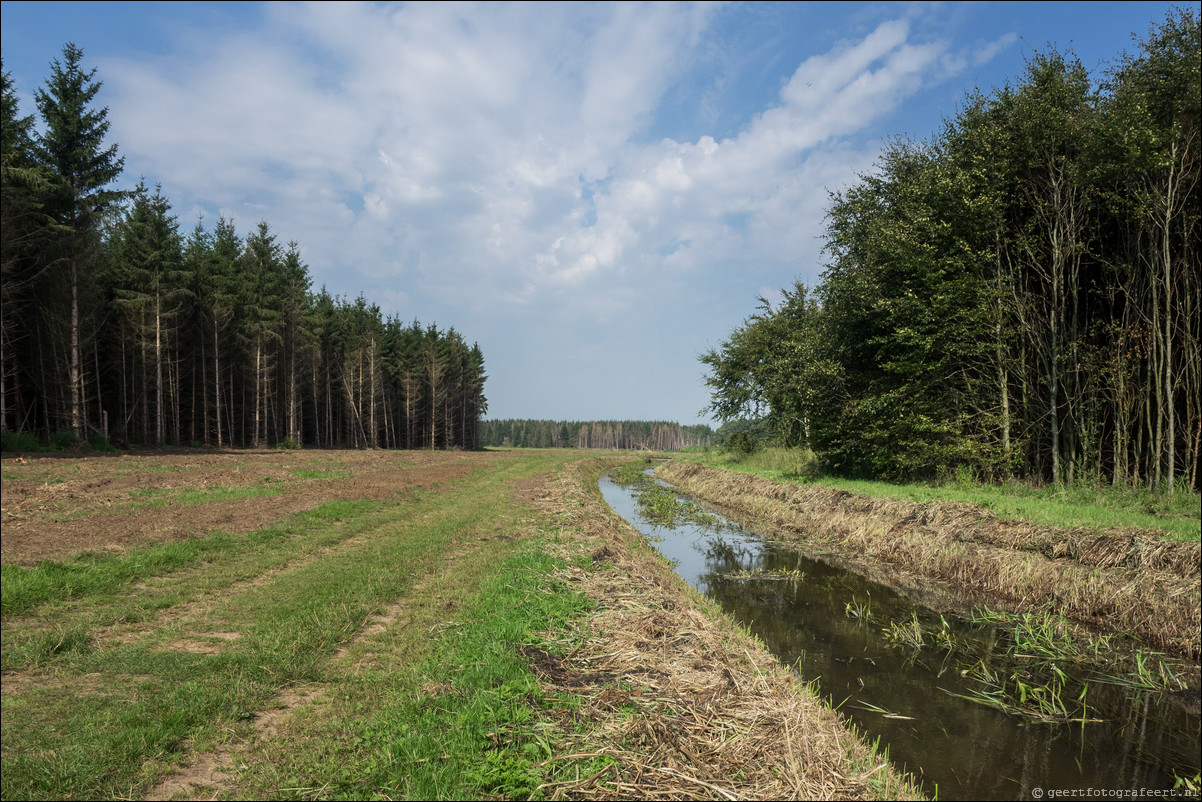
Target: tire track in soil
214,772
52,521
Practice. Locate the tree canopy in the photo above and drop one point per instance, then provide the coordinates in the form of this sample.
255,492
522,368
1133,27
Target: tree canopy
116,326
1017,296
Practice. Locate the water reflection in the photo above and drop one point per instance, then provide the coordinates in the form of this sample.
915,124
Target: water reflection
911,696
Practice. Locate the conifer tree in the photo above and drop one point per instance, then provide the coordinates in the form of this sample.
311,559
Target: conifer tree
24,228
80,171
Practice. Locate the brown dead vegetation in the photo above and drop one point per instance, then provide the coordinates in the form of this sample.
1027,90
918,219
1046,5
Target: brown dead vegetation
684,702
54,506
1128,582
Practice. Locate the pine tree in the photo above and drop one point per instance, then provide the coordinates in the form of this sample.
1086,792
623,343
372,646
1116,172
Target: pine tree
153,287
80,169
25,230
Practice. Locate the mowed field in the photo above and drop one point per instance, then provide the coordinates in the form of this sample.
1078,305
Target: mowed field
371,624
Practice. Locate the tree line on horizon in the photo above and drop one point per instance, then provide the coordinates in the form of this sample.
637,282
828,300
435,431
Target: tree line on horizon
1016,297
119,328
610,435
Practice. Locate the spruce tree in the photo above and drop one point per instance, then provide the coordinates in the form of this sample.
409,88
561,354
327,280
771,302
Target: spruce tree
80,171
24,229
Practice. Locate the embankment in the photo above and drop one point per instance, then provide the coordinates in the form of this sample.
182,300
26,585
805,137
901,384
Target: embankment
681,700
1123,582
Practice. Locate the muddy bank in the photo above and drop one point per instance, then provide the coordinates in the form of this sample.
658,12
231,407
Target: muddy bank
687,704
1128,583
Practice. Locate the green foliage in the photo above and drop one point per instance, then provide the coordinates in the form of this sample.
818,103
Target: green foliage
1004,299
72,145
101,443
627,434
742,443
64,440
19,441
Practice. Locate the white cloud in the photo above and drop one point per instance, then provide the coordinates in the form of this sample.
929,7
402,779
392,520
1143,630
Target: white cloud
491,162
468,136
758,195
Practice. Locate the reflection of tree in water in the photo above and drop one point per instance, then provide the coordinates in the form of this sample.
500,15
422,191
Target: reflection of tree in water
725,557
967,749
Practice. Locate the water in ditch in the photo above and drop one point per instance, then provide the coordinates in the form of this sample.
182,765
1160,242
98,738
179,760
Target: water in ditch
909,675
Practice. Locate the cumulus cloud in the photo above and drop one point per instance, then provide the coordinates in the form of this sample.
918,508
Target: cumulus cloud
493,161
692,202
496,144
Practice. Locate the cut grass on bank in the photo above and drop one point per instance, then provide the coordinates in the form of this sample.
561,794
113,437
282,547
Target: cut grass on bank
1177,517
442,644
1130,583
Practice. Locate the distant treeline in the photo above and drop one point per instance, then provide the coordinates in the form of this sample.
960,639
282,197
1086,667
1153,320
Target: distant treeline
608,434
1018,296
116,326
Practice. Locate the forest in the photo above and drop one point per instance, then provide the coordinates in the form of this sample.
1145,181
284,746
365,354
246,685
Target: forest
629,434
120,329
1017,297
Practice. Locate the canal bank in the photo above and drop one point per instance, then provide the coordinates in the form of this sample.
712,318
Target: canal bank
954,698
677,700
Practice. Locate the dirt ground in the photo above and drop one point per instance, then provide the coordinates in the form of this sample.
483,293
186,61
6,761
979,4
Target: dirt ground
54,506
716,716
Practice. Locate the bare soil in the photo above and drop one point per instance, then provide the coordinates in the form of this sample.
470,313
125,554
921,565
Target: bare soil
714,716
52,507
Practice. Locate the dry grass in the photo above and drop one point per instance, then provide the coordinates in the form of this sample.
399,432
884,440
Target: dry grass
686,703
1122,582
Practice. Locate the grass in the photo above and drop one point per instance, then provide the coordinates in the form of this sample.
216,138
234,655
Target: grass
356,650
466,719
659,504
321,474
129,662
1156,604
1020,672
104,583
1177,517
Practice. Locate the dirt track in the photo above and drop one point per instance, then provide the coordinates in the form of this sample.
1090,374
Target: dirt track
682,700
54,506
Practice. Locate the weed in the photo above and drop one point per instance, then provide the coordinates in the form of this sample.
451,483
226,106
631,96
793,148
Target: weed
908,633
883,711
321,474
63,440
861,610
19,441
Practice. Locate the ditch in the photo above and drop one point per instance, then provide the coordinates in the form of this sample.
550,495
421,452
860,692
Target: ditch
984,706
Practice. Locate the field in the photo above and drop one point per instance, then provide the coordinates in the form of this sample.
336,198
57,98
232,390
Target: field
302,624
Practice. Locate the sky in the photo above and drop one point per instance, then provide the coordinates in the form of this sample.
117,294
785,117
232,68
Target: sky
596,194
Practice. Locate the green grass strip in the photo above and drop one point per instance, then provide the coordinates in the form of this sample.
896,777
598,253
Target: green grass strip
1176,516
23,588
467,722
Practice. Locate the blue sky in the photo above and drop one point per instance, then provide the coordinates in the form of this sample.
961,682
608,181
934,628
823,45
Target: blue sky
595,193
